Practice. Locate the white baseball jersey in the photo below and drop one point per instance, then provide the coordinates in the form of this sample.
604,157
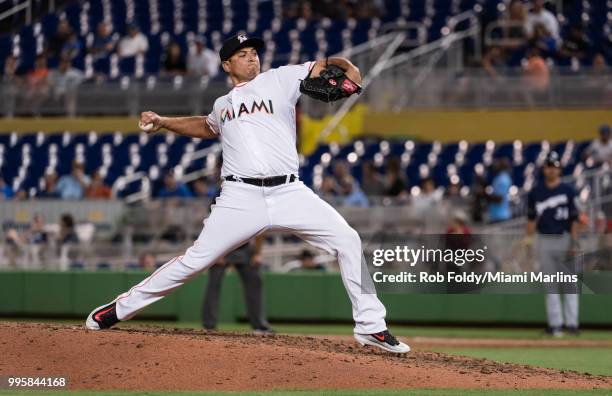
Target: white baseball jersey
256,123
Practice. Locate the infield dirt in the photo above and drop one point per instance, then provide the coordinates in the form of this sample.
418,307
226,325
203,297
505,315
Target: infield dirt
178,359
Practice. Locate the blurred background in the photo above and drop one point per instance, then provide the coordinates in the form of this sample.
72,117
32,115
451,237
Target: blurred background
457,94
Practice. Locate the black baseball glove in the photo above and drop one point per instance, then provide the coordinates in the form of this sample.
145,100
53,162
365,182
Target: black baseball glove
331,85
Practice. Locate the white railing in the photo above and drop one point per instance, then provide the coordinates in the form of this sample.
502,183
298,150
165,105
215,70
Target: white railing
370,76
387,61
25,5
210,153
123,181
469,16
408,27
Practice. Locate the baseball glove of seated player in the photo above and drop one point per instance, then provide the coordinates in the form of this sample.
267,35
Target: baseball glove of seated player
331,85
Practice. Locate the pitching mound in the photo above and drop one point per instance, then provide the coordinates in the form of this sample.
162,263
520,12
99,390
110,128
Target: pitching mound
179,359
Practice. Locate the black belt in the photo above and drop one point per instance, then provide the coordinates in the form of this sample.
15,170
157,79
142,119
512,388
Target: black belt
271,181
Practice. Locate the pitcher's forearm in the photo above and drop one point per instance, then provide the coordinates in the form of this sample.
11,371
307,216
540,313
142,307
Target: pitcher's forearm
351,70
196,126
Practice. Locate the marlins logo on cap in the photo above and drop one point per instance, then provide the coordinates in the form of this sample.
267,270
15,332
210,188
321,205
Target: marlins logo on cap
233,44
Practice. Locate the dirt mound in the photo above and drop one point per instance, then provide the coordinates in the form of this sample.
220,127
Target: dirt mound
179,359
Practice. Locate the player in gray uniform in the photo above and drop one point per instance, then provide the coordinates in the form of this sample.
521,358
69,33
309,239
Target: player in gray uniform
553,216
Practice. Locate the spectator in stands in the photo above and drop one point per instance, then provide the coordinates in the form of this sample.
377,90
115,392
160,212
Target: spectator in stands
10,69
428,198
64,81
365,9
395,183
10,82
458,224
203,188
372,183
73,185
600,149
202,61
598,84
353,196
327,191
36,234
72,48
13,245
452,194
600,66
134,44
147,262
97,188
348,187
174,61
50,186
59,39
173,188
458,233
37,85
6,192
305,9
494,62
536,74
499,197
576,45
36,238
21,195
540,15
517,17
67,232
103,43
458,237
65,77
543,40
342,175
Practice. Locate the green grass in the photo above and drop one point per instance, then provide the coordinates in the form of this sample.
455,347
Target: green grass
376,392
347,329
588,360
421,331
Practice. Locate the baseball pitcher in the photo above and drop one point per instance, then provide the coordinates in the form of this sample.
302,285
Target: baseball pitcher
255,122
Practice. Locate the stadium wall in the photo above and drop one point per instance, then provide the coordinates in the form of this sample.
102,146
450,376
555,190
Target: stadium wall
453,125
289,297
444,126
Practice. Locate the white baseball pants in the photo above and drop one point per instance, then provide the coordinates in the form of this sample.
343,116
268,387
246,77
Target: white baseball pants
241,212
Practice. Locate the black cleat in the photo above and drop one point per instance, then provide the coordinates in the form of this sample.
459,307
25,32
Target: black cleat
103,317
555,332
572,331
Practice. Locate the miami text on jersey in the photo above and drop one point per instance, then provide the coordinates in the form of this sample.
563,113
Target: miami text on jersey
229,114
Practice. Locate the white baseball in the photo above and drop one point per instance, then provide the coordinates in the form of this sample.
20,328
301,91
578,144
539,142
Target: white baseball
145,127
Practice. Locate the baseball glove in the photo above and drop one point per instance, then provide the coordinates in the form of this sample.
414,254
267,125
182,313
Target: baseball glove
331,85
